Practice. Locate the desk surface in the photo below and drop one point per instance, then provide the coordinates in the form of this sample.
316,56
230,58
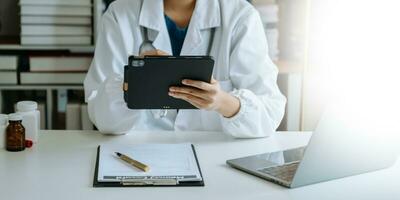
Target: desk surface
61,166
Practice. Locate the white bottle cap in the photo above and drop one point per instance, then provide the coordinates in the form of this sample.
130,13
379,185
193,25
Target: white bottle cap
26,106
14,117
3,119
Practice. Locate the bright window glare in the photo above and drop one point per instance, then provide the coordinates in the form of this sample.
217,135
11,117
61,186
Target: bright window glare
359,42
355,47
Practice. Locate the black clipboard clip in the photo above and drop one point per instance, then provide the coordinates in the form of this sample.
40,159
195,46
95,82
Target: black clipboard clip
144,182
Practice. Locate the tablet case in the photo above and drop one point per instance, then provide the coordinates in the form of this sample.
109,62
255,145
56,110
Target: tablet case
147,80
96,183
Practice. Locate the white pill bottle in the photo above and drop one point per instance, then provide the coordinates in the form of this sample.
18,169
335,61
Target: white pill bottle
3,126
30,119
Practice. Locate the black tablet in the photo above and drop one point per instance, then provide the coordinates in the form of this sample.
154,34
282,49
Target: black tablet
147,80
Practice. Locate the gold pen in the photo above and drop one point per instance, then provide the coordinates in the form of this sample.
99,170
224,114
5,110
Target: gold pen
133,162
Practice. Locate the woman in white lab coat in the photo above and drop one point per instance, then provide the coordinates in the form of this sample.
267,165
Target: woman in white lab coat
243,99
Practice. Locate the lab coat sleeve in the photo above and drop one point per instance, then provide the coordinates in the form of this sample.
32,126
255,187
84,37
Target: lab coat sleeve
103,83
254,77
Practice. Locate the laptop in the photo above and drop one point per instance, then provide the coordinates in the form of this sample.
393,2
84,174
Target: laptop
344,143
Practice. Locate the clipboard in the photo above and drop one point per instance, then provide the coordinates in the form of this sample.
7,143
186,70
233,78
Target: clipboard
147,79
147,183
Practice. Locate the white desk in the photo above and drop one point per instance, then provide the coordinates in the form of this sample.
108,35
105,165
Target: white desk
61,166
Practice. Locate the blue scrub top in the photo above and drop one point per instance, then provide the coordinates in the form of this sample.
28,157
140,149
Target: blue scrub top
176,35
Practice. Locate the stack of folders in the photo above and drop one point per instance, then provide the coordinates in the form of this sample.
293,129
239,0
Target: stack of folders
71,113
77,117
56,22
56,69
8,69
270,18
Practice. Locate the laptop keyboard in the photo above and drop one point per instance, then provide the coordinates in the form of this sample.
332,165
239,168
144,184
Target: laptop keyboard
285,172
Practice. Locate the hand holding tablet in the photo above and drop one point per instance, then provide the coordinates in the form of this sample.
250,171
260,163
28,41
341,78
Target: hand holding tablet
148,80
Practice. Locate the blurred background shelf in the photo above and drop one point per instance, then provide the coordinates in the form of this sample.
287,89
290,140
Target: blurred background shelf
284,24
40,87
72,49
50,99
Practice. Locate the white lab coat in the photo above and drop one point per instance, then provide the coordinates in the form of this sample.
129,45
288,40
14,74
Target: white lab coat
242,68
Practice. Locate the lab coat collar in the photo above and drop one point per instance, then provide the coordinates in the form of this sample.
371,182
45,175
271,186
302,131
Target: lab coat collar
152,17
206,15
152,14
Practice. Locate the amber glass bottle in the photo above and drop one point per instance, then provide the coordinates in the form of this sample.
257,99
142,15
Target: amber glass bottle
15,133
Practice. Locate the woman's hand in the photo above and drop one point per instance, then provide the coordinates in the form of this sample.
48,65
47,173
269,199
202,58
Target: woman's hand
155,52
208,96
